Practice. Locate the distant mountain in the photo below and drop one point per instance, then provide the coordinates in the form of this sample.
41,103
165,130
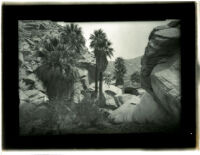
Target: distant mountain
132,65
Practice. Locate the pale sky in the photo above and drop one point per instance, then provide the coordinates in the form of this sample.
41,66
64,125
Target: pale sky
129,39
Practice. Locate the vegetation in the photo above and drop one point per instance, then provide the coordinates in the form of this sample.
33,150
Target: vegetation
59,54
102,49
120,70
107,78
135,77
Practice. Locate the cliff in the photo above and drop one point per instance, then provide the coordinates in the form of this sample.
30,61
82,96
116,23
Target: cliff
159,106
160,76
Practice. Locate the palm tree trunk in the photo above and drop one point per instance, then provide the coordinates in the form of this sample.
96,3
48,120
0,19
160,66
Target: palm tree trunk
100,85
96,81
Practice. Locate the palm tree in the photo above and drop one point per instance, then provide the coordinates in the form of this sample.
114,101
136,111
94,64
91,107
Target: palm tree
101,48
73,37
58,71
120,70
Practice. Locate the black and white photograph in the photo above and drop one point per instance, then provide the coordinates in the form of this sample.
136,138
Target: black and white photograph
99,77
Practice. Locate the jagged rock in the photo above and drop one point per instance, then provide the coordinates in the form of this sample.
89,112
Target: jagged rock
23,97
110,101
165,81
23,86
160,77
39,86
36,97
163,44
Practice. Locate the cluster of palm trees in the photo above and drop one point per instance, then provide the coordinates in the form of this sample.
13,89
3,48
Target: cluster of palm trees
61,51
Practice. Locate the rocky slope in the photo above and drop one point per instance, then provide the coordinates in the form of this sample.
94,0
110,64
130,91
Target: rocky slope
160,77
32,92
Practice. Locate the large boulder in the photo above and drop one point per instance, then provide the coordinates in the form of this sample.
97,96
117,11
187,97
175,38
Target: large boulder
124,113
127,98
149,111
163,44
160,77
165,81
36,97
110,93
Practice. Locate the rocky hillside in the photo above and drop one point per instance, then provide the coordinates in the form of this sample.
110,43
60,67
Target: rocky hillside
160,77
32,92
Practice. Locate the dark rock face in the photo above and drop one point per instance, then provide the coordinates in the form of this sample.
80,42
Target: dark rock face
160,72
163,44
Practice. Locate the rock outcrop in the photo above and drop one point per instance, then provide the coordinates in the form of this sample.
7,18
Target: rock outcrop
159,99
160,74
32,91
125,112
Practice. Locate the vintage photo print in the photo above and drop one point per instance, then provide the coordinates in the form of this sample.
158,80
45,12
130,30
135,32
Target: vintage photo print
77,75
99,77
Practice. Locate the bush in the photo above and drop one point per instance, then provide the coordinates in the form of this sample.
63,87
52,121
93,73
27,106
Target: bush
88,113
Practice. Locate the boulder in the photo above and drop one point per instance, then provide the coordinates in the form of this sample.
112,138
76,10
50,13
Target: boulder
115,90
160,77
164,42
165,81
141,91
36,97
23,97
149,111
127,104
127,98
123,114
110,101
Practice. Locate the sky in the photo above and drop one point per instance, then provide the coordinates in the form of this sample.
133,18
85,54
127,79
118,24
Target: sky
129,39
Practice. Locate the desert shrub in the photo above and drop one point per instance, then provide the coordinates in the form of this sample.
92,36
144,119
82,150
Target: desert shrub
34,120
62,116
88,112
120,71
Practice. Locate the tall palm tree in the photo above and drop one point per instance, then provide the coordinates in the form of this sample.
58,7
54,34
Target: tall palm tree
102,49
120,70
